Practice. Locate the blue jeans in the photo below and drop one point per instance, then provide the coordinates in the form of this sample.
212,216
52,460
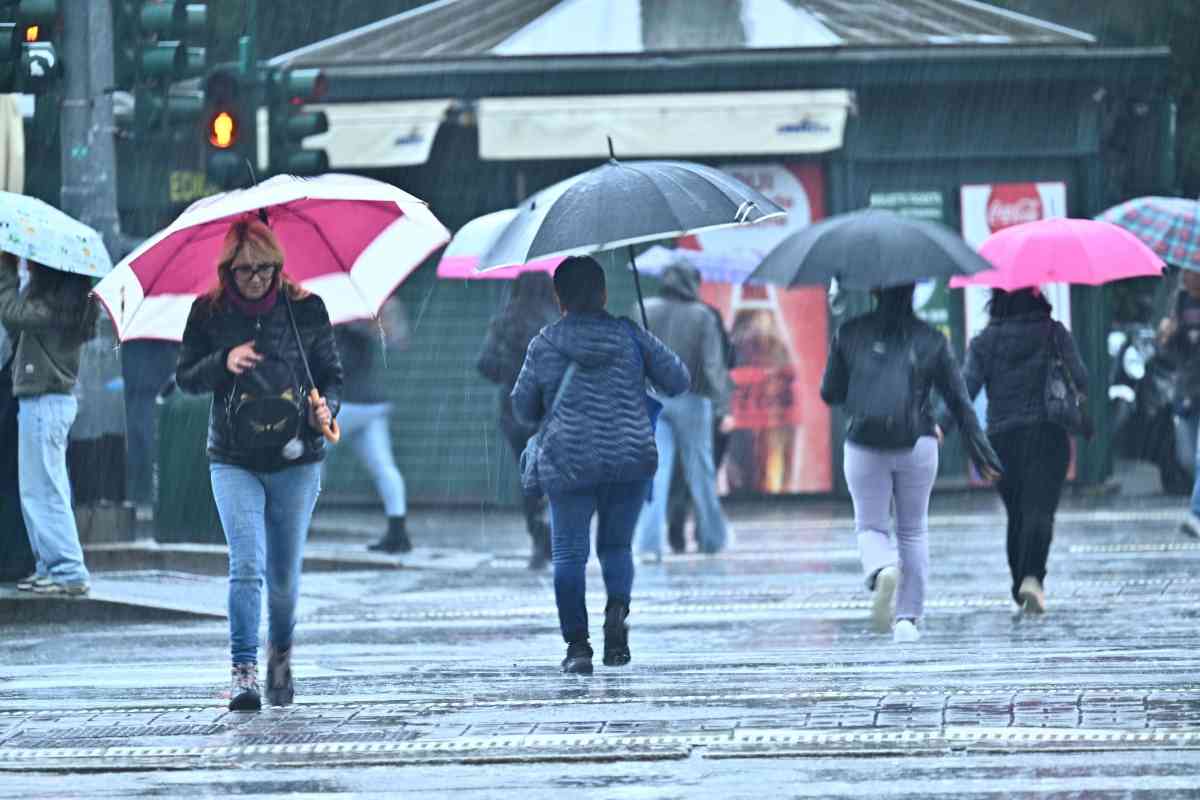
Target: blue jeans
365,428
265,516
43,423
616,506
685,426
1196,463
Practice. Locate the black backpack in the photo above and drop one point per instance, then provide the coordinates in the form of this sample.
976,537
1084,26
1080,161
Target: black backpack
266,406
880,397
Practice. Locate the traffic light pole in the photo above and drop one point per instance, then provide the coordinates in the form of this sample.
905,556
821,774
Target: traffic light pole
89,163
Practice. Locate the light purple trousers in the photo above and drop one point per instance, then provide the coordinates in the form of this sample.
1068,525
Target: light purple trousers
877,480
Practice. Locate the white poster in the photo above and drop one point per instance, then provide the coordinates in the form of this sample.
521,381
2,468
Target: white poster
990,207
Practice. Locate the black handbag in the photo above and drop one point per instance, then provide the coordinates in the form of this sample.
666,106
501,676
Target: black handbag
1066,405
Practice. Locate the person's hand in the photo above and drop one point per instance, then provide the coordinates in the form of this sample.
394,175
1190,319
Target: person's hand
319,415
242,358
990,474
1166,329
727,424
940,434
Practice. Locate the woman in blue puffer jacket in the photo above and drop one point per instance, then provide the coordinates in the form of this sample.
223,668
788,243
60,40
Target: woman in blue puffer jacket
597,452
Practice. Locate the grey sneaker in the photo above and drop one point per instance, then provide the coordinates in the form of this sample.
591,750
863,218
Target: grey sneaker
29,583
243,690
73,589
1190,526
281,690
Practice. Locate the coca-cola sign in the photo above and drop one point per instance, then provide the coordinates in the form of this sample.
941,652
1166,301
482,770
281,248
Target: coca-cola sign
1013,204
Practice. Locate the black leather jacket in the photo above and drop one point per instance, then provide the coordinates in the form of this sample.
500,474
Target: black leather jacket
209,336
935,368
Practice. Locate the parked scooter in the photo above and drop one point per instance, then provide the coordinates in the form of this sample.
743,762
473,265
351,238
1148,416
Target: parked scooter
1142,407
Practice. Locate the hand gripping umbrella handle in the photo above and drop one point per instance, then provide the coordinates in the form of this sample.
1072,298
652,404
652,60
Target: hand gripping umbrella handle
332,431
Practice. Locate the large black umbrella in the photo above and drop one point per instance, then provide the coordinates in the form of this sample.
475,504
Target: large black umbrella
620,204
867,249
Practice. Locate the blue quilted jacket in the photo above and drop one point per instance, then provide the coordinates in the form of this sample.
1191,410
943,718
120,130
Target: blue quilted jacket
600,431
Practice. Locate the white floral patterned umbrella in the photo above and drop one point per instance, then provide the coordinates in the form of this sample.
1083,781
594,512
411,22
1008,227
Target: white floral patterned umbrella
40,232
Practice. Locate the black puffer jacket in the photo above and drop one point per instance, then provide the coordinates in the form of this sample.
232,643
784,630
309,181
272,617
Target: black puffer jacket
601,433
503,354
1011,358
852,348
209,336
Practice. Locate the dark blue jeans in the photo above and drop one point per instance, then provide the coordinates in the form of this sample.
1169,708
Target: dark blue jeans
617,506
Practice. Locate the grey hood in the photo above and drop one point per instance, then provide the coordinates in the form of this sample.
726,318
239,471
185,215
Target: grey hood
682,283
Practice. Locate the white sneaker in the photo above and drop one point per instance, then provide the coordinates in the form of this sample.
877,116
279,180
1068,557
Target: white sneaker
905,632
650,557
883,605
31,582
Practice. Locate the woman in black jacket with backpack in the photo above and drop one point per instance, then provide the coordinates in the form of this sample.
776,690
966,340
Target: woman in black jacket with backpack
245,342
882,367
1015,357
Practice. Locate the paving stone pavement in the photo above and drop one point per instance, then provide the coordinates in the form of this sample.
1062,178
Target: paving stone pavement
407,679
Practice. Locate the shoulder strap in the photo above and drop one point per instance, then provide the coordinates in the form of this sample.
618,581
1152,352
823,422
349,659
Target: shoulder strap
299,343
1058,356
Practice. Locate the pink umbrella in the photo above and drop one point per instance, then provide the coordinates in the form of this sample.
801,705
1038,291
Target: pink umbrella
349,239
1061,250
461,258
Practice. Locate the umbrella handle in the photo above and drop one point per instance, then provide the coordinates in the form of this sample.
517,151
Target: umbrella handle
332,431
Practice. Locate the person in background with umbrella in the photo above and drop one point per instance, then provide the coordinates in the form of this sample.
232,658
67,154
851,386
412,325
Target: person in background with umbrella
881,368
50,321
1011,358
1179,335
597,452
247,342
690,330
365,413
531,307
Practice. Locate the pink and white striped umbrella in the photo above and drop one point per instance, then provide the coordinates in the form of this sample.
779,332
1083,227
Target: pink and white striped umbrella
461,259
349,239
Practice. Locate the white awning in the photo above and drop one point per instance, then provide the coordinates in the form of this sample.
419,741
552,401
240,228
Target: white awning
392,134
663,125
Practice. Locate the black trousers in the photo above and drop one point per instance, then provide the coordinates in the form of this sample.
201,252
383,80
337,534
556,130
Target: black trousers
536,513
1035,459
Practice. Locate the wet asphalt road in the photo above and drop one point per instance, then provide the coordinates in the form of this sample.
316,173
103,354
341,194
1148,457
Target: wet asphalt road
754,675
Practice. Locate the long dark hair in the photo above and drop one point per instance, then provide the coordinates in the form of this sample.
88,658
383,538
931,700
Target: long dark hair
69,295
533,293
895,305
1023,301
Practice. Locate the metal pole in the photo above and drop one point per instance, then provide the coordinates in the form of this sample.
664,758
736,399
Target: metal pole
89,162
637,284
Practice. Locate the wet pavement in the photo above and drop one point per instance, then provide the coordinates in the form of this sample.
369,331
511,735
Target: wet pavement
754,675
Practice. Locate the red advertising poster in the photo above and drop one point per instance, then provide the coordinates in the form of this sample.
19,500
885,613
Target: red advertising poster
781,444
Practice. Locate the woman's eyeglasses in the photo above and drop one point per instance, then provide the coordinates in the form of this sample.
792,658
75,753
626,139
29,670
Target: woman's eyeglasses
246,271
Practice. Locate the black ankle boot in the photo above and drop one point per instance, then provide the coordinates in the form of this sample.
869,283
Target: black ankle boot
395,540
579,658
616,635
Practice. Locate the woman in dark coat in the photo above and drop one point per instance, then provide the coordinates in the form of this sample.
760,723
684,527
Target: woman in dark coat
1011,359
531,307
882,367
597,453
239,342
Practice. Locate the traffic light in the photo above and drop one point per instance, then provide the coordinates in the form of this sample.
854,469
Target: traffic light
158,42
227,115
290,124
28,59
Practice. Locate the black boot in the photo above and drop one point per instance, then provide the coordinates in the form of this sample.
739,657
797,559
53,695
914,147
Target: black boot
616,635
395,540
539,558
579,658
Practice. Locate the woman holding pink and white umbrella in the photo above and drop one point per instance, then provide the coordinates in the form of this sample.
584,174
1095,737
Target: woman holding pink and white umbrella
264,348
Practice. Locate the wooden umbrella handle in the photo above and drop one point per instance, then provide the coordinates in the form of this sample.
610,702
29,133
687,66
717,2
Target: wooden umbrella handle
332,431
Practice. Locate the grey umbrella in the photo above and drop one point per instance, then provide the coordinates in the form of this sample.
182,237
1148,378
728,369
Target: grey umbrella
866,249
620,204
